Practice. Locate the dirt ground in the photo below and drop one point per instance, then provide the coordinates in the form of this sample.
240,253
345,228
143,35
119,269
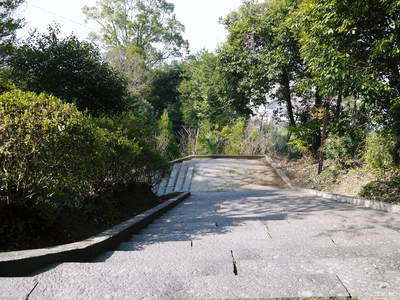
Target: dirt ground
303,173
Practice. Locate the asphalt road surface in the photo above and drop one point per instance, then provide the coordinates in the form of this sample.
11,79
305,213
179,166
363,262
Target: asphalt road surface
241,235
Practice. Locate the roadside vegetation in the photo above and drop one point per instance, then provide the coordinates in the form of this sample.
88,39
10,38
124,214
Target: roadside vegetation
86,128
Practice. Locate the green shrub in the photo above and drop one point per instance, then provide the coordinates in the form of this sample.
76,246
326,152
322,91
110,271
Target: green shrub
70,69
52,153
302,136
377,154
209,140
387,191
166,139
38,154
234,136
277,140
339,149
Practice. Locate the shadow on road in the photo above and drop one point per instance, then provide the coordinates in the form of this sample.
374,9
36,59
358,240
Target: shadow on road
217,213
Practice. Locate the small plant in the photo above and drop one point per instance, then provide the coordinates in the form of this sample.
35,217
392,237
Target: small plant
377,153
387,191
234,137
338,149
166,139
209,140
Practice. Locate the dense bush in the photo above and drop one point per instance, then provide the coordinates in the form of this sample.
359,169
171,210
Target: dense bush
378,153
166,139
338,149
53,155
387,191
209,140
234,137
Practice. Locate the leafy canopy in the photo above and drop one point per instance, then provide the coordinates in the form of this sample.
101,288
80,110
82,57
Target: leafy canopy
69,69
8,27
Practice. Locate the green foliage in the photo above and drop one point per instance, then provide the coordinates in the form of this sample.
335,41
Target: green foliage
276,140
47,148
166,140
205,92
339,149
137,36
140,24
302,136
8,27
71,70
378,153
209,140
352,47
262,54
387,191
164,92
234,137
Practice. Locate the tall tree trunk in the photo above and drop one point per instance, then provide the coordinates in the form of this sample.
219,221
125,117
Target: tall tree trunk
323,138
339,104
396,150
395,111
316,141
285,89
396,135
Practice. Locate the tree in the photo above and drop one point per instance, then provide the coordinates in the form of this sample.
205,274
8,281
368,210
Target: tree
8,27
138,35
205,92
164,94
264,54
71,70
356,45
166,140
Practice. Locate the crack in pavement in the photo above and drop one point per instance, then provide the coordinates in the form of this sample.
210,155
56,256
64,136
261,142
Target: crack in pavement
235,270
341,282
268,232
29,294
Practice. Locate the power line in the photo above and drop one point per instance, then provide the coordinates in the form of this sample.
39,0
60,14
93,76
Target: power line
62,17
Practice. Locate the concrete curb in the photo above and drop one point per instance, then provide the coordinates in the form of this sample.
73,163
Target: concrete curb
217,156
377,205
278,169
22,263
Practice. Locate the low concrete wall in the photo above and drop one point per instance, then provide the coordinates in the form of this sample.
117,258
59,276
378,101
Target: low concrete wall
20,263
278,169
215,156
378,205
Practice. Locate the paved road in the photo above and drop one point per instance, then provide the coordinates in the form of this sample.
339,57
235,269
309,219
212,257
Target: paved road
235,240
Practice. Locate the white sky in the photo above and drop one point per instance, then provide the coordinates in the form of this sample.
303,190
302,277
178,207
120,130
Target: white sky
200,18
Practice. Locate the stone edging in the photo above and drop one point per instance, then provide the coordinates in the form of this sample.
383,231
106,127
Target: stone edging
216,156
378,205
278,169
20,263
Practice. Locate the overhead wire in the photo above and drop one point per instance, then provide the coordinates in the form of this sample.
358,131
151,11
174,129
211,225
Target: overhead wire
62,17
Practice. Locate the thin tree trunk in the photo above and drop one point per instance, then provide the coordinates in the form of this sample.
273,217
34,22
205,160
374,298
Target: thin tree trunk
323,138
396,150
396,136
285,89
339,104
316,142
